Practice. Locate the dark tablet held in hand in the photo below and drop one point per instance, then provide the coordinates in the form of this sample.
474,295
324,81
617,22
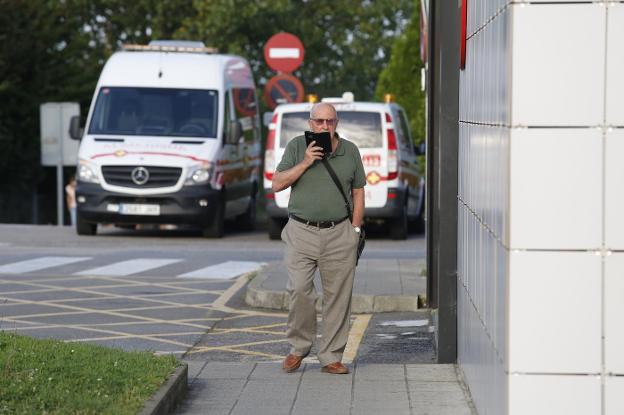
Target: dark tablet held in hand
322,140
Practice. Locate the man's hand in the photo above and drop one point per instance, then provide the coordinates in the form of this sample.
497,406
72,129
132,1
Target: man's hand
283,179
312,153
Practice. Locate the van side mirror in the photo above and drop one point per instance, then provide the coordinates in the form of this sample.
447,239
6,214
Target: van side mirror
420,149
234,133
75,132
266,118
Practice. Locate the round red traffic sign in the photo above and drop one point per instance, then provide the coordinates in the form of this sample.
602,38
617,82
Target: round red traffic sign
283,52
281,89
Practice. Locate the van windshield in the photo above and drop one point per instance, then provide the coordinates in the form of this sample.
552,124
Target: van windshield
361,128
155,111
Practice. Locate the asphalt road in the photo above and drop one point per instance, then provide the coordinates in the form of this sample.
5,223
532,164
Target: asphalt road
172,291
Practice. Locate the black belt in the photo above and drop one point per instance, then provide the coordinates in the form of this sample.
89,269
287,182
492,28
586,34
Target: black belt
320,224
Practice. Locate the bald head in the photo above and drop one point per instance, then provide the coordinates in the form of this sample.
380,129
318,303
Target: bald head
321,109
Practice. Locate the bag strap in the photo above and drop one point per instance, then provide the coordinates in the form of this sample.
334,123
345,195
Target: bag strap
332,173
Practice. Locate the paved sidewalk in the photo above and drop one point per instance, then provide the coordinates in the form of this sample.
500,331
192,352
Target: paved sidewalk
370,389
381,285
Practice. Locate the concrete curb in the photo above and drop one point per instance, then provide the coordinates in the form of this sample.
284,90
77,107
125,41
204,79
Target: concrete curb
256,296
170,394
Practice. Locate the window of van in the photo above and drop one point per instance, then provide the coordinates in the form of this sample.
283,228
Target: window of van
360,127
155,111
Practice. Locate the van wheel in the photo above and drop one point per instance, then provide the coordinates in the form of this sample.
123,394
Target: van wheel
85,228
216,228
398,226
418,225
247,221
275,228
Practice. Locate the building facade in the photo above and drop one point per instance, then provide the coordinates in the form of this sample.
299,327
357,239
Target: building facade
540,293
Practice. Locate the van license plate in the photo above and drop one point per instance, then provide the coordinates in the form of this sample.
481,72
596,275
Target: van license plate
150,210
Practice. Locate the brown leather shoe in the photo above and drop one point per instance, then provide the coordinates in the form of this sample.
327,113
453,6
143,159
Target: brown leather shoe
335,368
292,363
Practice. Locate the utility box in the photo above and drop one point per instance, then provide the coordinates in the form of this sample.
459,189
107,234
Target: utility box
57,147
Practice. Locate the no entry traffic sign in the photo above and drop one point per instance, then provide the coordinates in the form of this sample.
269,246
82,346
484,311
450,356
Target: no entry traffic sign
283,52
281,89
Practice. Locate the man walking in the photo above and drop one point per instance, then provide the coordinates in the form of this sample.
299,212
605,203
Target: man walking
319,234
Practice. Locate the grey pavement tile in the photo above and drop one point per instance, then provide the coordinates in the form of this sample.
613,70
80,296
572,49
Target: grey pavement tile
260,410
378,408
14,309
85,319
187,298
226,370
194,368
115,303
6,287
375,386
321,408
233,338
84,282
421,386
216,390
157,328
139,289
174,313
57,296
204,408
379,372
273,370
431,373
441,410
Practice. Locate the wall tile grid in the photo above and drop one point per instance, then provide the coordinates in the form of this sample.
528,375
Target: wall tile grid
541,236
483,154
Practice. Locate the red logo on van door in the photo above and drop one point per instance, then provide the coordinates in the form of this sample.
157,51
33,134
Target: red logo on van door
371,160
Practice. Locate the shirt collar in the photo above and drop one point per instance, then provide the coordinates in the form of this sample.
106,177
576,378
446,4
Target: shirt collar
340,150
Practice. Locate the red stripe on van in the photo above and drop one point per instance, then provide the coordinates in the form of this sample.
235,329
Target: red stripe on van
151,153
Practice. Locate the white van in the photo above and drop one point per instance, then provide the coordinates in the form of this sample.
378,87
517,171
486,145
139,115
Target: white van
172,136
394,189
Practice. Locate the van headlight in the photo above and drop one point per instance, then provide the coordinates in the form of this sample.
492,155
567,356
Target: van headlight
197,175
87,174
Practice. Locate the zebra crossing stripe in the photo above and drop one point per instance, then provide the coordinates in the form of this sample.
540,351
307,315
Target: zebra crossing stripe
37,264
129,267
225,270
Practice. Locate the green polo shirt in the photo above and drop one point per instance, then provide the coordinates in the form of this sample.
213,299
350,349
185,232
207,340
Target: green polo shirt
314,196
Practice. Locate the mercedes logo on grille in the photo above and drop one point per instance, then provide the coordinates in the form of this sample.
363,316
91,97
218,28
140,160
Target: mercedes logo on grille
140,176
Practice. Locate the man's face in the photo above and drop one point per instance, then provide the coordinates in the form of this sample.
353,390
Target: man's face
323,118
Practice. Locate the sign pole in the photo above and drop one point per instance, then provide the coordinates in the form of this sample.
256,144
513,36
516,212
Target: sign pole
60,190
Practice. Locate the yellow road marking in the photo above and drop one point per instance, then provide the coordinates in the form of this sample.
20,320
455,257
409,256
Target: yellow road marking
355,337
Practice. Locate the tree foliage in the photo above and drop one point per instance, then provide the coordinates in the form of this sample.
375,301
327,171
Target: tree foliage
54,50
346,42
402,76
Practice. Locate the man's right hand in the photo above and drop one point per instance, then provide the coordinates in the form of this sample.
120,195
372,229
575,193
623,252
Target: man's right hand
312,153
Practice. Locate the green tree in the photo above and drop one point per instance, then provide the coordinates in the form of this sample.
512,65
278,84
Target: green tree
53,51
346,42
402,76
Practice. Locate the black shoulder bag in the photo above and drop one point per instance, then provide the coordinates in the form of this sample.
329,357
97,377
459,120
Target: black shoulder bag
362,240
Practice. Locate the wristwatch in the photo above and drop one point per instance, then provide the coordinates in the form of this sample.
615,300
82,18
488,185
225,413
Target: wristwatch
357,229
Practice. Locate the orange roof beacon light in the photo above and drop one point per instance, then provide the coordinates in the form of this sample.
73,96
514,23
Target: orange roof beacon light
312,98
388,98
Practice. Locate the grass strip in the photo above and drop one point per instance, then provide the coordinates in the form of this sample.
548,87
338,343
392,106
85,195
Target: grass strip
53,377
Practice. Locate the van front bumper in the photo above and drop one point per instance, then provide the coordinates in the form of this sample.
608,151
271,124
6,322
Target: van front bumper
97,205
392,209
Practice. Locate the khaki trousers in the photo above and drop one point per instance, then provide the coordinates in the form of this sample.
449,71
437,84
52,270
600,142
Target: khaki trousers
333,251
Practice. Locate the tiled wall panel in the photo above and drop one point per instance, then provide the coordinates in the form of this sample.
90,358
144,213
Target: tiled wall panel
554,395
614,313
558,64
552,295
540,229
614,395
556,183
614,195
615,65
